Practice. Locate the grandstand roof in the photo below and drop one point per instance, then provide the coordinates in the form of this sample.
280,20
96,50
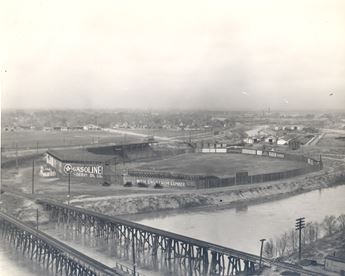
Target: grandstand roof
80,156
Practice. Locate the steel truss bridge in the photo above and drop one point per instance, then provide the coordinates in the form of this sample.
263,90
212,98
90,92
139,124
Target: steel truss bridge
49,252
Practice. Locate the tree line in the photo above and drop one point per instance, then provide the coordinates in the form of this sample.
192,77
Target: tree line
287,243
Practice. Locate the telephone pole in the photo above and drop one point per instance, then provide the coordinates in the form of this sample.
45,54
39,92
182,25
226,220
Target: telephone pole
300,224
261,249
37,219
69,187
133,252
16,156
33,177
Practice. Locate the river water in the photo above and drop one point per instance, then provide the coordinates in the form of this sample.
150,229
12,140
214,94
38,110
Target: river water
236,228
242,228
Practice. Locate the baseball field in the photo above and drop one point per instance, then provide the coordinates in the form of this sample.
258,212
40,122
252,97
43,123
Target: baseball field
221,165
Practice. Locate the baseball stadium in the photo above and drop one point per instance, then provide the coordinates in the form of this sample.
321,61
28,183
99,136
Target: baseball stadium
197,169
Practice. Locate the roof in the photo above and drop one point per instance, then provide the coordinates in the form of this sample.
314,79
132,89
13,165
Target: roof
288,137
80,155
335,258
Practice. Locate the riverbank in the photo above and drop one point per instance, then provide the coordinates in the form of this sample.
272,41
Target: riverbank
138,203
141,206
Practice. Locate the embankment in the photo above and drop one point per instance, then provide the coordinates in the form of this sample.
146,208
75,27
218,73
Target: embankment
212,198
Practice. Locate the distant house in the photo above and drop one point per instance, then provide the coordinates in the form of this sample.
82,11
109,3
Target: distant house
293,127
47,128
271,139
335,264
71,128
91,127
251,140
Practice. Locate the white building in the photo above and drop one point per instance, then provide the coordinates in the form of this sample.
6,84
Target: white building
283,141
91,127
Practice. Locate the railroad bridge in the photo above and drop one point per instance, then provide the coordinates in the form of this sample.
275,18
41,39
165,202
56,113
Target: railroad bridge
160,249
51,253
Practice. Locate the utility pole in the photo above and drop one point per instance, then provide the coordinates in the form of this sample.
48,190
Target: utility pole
300,224
37,219
133,252
261,249
115,180
33,177
69,187
16,156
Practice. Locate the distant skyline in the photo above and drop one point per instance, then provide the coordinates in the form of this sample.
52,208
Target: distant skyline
214,55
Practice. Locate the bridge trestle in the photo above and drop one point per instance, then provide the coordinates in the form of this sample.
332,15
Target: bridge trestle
153,247
49,253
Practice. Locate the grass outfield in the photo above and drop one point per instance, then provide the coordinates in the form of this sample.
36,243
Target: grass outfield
221,165
46,139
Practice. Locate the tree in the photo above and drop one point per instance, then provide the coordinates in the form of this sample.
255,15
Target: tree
268,248
341,221
281,244
311,232
293,240
329,224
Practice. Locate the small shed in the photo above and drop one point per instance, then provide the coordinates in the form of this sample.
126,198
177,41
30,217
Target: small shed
335,264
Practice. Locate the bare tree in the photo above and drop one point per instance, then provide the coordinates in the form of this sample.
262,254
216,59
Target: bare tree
341,221
317,230
281,244
329,224
311,232
293,240
268,248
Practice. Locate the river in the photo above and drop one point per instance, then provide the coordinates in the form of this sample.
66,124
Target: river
236,228
242,228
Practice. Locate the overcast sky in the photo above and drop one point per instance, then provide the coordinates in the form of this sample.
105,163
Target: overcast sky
173,54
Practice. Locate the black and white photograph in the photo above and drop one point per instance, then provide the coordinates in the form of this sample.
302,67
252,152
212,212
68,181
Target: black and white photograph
172,138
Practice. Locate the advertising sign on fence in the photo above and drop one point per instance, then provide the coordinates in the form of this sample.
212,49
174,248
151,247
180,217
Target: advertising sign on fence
80,170
272,154
248,151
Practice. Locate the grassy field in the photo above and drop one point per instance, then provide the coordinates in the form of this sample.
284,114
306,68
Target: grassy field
221,164
332,140
46,139
170,133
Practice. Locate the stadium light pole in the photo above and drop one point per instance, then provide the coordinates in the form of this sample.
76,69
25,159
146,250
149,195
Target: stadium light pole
261,249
